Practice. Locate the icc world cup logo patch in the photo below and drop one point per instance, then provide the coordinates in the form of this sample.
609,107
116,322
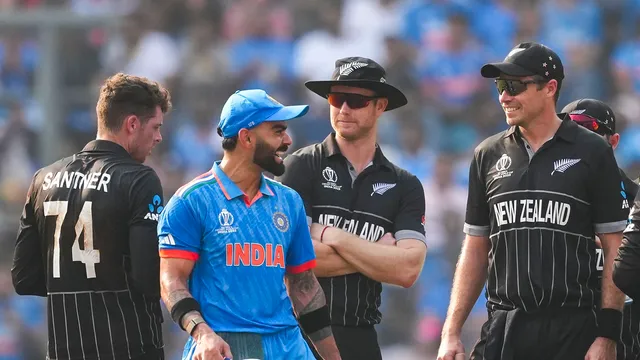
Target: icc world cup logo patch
281,222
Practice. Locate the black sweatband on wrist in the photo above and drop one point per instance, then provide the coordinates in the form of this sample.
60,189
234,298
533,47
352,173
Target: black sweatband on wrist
609,324
315,320
182,307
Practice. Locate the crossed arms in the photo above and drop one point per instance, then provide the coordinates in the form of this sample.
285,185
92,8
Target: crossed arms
388,261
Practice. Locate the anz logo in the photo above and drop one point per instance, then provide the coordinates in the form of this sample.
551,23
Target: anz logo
623,193
155,208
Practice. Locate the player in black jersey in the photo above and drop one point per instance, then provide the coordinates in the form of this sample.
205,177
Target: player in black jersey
598,117
87,238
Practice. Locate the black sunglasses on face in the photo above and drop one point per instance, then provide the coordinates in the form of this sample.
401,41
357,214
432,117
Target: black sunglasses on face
514,87
354,101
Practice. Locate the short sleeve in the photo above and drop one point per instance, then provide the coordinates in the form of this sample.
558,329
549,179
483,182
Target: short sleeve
179,231
300,255
146,199
609,203
476,221
297,176
409,222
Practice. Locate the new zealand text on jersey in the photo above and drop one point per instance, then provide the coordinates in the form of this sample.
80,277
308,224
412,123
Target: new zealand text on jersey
532,211
368,231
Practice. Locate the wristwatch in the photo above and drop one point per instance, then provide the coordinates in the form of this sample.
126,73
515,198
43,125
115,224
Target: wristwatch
193,323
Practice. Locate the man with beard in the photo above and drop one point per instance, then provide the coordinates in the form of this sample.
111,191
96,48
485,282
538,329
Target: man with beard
598,117
231,237
366,214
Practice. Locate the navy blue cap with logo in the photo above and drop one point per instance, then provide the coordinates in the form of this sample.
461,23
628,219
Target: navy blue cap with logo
527,59
593,114
246,109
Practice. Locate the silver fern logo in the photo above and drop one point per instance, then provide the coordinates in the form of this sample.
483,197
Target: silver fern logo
381,188
563,164
347,69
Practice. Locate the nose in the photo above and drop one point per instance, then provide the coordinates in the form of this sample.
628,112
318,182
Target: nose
345,109
505,97
159,138
286,140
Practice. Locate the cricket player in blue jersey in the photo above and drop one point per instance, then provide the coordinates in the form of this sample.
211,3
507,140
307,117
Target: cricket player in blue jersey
230,238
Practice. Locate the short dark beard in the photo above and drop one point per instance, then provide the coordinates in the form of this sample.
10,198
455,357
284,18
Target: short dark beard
264,157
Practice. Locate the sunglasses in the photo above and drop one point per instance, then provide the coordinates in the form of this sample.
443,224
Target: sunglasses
514,87
591,123
354,101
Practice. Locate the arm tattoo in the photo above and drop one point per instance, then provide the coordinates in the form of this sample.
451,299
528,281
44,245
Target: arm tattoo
306,293
176,295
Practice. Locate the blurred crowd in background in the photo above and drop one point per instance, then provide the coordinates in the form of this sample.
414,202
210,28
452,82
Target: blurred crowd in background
204,50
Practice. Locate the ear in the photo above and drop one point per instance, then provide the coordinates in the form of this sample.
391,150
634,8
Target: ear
552,88
131,123
246,138
381,105
614,140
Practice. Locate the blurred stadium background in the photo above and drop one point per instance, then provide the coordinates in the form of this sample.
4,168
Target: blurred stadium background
54,54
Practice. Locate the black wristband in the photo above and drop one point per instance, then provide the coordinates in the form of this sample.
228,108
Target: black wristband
182,307
610,324
316,320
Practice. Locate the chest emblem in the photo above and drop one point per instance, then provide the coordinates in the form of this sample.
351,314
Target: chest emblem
563,164
281,221
331,178
502,167
381,188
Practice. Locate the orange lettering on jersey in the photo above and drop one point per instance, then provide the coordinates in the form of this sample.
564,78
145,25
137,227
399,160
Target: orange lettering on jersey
229,249
278,259
241,253
257,255
269,254
254,254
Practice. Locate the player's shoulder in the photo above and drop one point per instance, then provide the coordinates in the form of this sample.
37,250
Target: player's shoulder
281,189
308,153
197,185
492,143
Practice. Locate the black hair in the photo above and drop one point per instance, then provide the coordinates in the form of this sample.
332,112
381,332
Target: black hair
228,143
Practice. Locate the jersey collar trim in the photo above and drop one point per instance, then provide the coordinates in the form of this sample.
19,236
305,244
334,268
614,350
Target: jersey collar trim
232,191
330,148
106,145
567,130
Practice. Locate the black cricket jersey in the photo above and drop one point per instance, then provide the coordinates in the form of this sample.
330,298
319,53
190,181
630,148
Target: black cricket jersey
88,221
382,198
541,212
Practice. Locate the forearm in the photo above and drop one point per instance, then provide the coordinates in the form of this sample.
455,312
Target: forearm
307,296
612,297
469,278
383,263
626,267
329,263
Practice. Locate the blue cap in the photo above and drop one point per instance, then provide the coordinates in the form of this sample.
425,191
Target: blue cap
246,109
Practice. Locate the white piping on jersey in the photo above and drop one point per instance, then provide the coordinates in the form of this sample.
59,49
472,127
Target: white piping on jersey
539,228
194,182
539,191
352,211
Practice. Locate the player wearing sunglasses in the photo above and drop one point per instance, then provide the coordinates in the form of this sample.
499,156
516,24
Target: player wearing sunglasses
366,214
539,193
598,117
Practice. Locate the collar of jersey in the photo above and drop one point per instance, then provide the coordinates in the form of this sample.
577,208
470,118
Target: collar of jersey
566,131
105,145
230,189
330,148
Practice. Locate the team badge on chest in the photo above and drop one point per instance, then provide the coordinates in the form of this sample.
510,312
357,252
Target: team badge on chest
281,221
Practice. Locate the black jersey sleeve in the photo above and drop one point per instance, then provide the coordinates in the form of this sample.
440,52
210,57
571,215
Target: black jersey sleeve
146,204
28,270
297,175
626,267
477,215
607,195
409,223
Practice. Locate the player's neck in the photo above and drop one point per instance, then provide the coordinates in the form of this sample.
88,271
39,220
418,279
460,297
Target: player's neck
541,129
107,136
358,152
246,175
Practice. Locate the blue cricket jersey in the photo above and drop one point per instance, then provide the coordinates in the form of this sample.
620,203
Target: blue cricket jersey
241,248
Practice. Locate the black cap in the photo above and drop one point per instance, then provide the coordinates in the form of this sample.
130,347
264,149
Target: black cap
595,109
363,73
527,59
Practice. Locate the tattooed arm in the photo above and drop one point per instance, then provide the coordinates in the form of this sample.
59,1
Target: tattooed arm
174,273
307,296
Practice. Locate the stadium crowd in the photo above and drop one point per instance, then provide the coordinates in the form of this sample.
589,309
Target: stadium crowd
203,50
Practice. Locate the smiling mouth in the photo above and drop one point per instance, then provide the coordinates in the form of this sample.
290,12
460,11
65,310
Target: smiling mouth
511,108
